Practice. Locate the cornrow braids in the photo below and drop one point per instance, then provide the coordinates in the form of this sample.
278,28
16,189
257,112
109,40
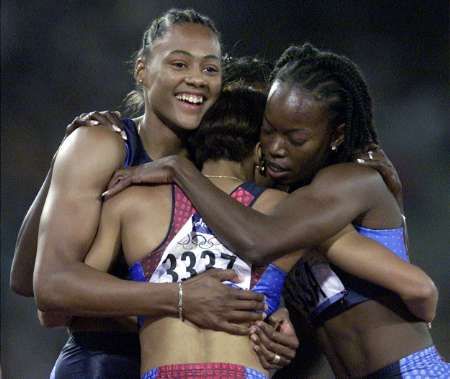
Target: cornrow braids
134,100
337,81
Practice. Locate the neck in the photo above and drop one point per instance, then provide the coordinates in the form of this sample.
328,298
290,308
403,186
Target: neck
158,139
225,168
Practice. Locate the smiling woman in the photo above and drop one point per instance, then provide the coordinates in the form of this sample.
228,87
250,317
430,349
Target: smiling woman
178,76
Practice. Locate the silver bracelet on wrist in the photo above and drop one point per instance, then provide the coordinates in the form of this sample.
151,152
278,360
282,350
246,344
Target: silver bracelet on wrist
180,301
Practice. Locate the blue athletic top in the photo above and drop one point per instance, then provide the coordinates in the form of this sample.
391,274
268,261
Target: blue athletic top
136,153
323,291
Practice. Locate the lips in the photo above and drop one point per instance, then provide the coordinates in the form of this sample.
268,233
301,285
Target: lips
276,171
191,98
276,167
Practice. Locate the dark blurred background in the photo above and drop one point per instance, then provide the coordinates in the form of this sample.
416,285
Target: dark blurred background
60,59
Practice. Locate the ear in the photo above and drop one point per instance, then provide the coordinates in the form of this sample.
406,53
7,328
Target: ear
257,154
338,136
139,70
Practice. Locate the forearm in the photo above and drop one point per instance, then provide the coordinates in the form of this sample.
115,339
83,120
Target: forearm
242,229
21,278
83,291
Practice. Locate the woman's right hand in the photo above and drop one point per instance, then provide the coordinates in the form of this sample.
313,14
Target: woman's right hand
374,156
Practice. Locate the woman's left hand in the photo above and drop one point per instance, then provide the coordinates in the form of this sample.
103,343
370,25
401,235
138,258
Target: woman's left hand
274,341
160,171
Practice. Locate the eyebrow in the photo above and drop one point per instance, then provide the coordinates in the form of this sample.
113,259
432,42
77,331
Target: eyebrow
187,53
287,131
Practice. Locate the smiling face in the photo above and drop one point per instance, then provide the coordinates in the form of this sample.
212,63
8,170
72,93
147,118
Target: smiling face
181,77
295,135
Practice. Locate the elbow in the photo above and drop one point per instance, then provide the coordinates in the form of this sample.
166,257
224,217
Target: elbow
53,320
428,293
47,297
257,254
422,299
21,287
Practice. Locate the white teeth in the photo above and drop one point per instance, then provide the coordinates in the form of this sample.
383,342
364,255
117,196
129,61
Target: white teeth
194,99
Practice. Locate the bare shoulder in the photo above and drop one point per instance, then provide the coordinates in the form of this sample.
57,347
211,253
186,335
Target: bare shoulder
268,200
347,179
94,142
347,173
136,198
89,155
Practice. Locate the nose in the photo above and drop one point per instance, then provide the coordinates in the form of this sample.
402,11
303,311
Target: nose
196,79
276,146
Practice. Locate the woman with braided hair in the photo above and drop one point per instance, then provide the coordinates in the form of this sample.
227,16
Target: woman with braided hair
318,115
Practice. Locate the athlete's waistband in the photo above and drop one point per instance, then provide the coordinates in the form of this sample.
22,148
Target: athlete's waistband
425,363
110,342
204,370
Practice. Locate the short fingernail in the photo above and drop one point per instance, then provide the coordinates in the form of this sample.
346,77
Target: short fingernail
252,329
94,122
359,160
259,323
256,347
104,194
253,338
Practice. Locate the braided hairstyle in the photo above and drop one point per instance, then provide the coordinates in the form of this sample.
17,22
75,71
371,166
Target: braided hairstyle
336,81
134,101
247,71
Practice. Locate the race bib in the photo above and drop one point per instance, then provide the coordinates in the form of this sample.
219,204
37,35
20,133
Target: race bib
319,283
194,250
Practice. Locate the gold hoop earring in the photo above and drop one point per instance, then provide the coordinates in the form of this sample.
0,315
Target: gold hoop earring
261,165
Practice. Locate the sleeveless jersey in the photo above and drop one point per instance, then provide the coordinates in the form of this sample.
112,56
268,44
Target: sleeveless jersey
323,291
191,248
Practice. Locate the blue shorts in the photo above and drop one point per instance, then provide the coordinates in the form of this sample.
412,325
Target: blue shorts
422,364
203,371
99,355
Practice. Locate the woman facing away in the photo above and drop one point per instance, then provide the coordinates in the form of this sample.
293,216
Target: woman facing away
318,114
164,239
178,71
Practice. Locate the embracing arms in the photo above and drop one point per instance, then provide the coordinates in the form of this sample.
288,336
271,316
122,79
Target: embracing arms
62,282
21,277
305,218
374,263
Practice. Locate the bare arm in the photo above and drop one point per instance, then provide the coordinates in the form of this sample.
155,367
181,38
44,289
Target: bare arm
306,218
62,282
21,279
372,262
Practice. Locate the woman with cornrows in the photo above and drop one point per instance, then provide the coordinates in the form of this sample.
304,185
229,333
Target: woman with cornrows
318,114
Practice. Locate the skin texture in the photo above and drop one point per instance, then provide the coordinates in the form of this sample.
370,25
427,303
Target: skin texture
296,133
62,282
126,220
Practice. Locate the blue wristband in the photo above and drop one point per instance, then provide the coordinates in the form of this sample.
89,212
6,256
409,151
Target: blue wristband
271,285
